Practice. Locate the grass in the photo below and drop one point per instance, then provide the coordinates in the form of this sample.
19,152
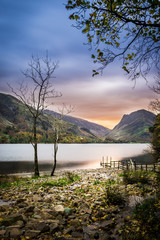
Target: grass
132,177
7,182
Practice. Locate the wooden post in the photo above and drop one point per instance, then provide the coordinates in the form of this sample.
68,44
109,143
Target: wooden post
135,167
154,167
110,161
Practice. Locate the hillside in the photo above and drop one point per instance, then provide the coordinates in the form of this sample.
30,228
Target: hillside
94,128
16,125
133,127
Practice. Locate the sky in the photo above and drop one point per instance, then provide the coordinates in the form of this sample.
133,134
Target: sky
33,27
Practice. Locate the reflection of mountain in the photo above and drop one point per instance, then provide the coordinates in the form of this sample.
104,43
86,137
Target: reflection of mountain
133,127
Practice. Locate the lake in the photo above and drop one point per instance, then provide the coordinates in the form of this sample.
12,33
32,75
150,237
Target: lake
16,158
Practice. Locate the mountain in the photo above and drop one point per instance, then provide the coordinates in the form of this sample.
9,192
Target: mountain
16,125
133,127
93,128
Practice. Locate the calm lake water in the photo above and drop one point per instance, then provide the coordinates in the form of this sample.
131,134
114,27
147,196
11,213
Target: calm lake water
16,158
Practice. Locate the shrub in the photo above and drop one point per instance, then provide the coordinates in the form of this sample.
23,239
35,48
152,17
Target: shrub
131,177
115,196
145,223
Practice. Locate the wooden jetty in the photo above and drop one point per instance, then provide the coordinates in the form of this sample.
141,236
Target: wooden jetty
129,165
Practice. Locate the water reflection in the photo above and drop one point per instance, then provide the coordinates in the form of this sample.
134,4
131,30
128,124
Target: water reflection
17,158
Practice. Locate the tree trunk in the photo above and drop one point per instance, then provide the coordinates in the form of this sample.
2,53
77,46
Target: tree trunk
55,158
36,169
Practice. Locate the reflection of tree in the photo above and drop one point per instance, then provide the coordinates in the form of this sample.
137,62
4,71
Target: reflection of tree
41,72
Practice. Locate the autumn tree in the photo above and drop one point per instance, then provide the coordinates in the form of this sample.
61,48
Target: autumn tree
121,29
36,94
155,130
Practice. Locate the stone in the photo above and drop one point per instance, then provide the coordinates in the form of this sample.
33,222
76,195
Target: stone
15,233
107,225
30,209
20,200
37,216
67,211
4,208
96,235
10,219
2,233
42,227
54,227
69,230
32,233
77,235
75,222
59,209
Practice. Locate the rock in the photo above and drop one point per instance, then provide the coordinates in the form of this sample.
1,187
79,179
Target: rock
67,211
10,219
2,233
42,227
15,233
54,227
96,235
61,238
30,209
32,233
75,222
37,216
13,226
77,235
133,200
4,208
22,205
37,198
107,225
20,200
69,230
59,209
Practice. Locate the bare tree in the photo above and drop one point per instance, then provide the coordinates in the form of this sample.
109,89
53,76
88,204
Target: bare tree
58,130
41,72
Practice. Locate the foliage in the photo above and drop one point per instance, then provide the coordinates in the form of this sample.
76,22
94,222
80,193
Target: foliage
145,223
131,177
123,29
155,130
114,195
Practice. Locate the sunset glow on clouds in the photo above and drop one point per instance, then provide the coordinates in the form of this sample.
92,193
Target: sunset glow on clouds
32,27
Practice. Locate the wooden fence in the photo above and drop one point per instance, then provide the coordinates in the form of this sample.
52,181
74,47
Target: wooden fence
129,165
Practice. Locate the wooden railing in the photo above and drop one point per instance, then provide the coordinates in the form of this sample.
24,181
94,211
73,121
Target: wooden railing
129,165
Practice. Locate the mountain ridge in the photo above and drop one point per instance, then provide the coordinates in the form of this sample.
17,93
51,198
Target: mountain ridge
15,120
133,126
94,128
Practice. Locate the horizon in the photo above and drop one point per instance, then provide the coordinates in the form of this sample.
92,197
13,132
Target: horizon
30,28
